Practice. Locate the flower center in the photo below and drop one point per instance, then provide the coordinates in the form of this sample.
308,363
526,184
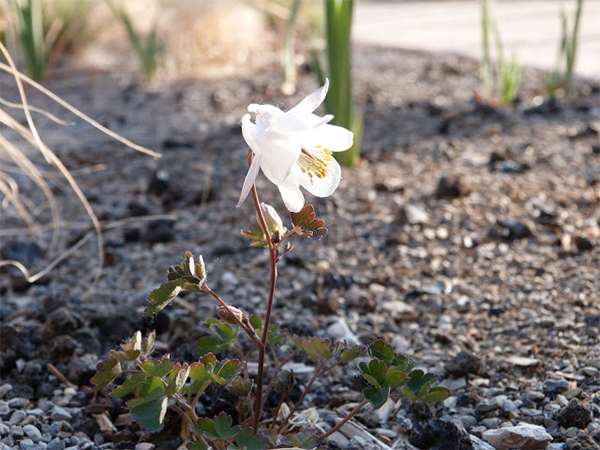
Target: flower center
315,162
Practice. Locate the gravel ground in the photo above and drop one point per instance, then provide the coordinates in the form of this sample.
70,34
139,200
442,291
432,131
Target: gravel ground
468,237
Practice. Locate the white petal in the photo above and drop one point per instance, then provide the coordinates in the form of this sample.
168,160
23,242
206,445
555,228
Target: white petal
267,116
250,178
292,197
279,155
321,187
312,101
332,137
291,122
250,133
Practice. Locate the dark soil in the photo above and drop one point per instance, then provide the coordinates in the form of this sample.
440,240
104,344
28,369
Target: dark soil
468,237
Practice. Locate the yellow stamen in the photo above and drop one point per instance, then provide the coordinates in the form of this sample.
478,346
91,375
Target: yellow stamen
315,162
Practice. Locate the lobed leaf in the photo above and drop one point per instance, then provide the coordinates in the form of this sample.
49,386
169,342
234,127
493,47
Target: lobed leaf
379,349
128,355
177,378
374,372
247,440
240,387
395,378
160,369
217,428
354,352
222,337
149,411
163,295
306,223
303,439
106,372
129,386
150,387
229,369
148,343
187,276
377,395
419,383
435,394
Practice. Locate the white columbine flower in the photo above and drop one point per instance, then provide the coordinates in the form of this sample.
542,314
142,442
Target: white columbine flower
294,149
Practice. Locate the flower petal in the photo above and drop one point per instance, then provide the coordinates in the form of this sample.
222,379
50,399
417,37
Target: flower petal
332,137
250,133
291,123
292,196
321,187
250,178
279,156
312,101
267,116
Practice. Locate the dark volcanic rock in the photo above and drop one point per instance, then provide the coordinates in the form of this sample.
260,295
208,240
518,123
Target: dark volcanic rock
441,434
464,363
575,414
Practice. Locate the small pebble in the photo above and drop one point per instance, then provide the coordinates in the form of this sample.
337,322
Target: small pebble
4,389
33,433
60,413
17,417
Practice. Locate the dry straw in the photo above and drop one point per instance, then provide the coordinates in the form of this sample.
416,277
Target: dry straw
25,166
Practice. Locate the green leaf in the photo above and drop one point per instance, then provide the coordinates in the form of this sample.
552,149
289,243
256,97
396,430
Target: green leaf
354,352
150,387
218,427
419,382
374,372
240,387
198,445
150,404
187,276
257,234
127,355
148,343
162,296
257,323
177,379
128,386
106,372
250,441
315,348
222,337
395,378
303,439
379,349
436,394
160,369
149,411
403,363
230,369
377,395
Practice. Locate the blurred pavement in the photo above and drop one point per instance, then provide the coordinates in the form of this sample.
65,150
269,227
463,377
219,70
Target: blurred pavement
529,28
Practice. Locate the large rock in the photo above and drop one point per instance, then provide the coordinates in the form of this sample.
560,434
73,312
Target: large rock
523,436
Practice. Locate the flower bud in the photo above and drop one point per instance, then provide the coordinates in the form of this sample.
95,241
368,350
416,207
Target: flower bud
272,219
231,315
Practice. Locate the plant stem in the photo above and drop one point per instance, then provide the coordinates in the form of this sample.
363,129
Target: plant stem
248,329
304,394
198,394
273,279
349,416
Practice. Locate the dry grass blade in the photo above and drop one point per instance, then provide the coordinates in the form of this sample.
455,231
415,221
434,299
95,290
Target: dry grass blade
37,110
30,133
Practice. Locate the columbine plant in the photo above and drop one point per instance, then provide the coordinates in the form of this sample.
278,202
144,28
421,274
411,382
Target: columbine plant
293,149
